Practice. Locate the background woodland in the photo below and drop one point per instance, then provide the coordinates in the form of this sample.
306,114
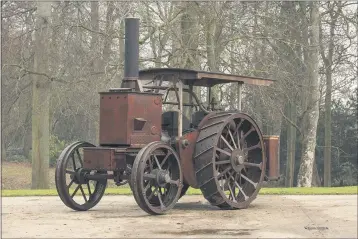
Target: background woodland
57,56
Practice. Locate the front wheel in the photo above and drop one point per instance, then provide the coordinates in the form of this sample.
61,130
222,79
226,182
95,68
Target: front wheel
75,191
156,178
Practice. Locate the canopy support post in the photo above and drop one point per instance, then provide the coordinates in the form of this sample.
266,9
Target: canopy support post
239,96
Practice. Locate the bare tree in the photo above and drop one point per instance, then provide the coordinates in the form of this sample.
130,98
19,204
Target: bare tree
41,90
310,131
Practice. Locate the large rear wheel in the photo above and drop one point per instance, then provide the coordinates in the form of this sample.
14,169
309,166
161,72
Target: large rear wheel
229,160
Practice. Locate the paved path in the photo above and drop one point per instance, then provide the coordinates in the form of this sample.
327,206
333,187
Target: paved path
120,217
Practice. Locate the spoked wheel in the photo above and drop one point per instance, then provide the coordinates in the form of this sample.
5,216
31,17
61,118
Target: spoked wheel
156,179
230,160
75,191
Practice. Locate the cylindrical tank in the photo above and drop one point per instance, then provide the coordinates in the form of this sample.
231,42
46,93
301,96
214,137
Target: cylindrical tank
272,144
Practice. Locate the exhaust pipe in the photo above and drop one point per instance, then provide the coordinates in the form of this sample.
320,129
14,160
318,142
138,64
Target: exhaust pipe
131,55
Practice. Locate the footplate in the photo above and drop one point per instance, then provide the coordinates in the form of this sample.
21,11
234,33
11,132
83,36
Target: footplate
97,158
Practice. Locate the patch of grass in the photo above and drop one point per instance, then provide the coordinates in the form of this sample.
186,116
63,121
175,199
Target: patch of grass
349,190
16,181
352,190
19,175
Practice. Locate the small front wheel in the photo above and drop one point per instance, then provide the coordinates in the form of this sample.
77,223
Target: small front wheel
74,189
156,178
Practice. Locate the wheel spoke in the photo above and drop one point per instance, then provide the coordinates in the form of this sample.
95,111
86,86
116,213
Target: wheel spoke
147,187
69,185
249,180
237,133
223,172
78,187
89,189
216,155
148,176
253,165
258,145
176,182
79,157
223,151
160,199
222,162
241,190
151,195
157,161
247,133
70,172
231,192
73,161
165,159
221,182
83,193
235,180
150,164
227,143
232,138
238,126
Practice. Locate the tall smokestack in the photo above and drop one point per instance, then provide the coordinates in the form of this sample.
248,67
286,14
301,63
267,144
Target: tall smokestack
131,55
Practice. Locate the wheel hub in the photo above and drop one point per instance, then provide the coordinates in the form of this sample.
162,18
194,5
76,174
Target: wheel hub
79,176
238,159
163,177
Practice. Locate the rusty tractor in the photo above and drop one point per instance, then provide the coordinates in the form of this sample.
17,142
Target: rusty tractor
161,154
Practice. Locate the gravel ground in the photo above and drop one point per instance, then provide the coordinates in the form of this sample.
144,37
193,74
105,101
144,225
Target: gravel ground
120,217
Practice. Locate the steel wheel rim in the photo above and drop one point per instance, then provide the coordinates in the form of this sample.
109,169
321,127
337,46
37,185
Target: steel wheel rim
162,195
95,189
239,189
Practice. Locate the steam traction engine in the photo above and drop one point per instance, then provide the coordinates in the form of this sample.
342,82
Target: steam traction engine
161,154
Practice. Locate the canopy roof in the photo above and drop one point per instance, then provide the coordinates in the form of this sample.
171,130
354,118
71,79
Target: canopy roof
199,78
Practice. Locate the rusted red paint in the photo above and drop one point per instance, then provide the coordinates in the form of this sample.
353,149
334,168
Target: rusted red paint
272,152
186,157
101,158
122,115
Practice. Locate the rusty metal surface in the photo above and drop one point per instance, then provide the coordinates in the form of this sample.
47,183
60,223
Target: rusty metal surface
97,158
229,174
129,118
200,78
272,144
187,153
186,157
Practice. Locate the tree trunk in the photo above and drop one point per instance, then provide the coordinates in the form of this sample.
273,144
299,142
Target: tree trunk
291,145
109,32
190,41
316,180
310,131
3,149
327,130
41,100
26,148
328,61
93,129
